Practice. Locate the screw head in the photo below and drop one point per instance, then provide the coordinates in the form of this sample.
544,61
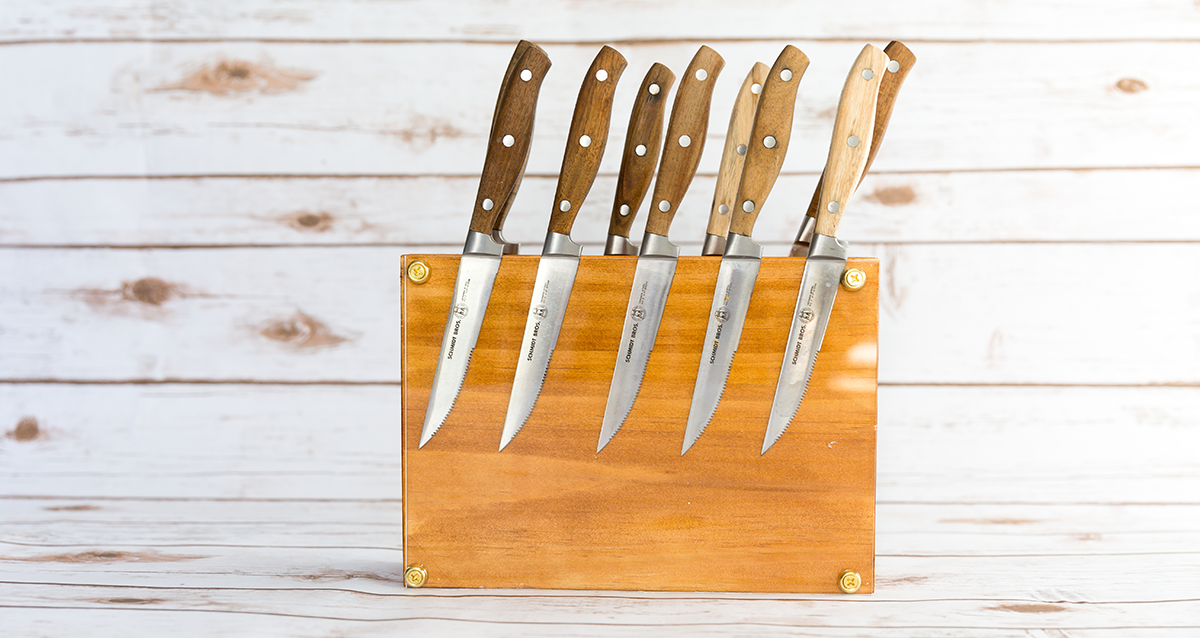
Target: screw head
854,279
849,581
415,576
418,272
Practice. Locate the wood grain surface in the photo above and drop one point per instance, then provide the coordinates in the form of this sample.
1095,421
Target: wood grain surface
549,512
733,155
643,140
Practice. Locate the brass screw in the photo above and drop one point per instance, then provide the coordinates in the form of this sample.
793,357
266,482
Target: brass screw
418,272
415,576
854,279
849,581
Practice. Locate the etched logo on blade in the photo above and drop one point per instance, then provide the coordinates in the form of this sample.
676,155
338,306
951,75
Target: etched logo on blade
539,311
461,310
722,314
638,313
806,315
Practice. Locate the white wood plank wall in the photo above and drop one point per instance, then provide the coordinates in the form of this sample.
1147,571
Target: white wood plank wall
201,209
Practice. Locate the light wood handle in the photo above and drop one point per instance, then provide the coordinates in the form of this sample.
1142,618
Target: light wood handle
768,138
512,130
852,131
512,195
585,142
685,138
737,141
889,87
642,143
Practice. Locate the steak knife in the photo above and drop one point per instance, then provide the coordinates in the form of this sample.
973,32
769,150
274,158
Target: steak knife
560,256
640,158
658,257
739,265
733,158
901,62
852,131
508,147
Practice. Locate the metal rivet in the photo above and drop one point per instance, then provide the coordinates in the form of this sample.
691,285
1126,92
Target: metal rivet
833,207
756,88
785,75
526,75
487,204
415,576
664,206
748,206
418,272
893,65
741,149
848,582
585,141
868,74
852,141
508,141
854,279
654,89
723,209
701,75
564,206
640,149
769,141
624,210
602,75
685,141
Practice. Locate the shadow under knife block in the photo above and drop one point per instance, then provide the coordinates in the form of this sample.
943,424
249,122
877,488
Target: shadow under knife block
549,512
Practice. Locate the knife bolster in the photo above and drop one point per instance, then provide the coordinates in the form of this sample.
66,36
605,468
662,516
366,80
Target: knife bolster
482,244
741,246
561,245
654,245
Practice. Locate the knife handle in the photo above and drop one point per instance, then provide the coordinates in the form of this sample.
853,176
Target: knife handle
902,60
737,141
768,138
502,214
852,131
508,143
585,142
642,143
685,138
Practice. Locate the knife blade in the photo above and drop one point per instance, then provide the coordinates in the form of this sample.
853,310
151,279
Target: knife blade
560,256
656,262
642,142
739,264
901,62
508,146
510,248
852,131
733,158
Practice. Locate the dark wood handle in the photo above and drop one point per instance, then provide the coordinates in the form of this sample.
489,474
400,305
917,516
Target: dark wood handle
585,142
685,138
852,135
512,195
512,131
642,143
889,87
733,158
768,138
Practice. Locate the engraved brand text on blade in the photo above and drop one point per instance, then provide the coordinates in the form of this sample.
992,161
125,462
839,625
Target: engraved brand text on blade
805,316
460,310
540,312
637,314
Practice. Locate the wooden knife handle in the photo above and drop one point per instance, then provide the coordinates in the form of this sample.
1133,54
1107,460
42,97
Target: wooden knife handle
512,195
512,130
585,142
642,143
768,138
852,131
737,141
889,86
685,138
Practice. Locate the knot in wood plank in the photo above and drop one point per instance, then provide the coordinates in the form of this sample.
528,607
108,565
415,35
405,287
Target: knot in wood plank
240,76
1131,85
302,331
894,195
148,290
27,430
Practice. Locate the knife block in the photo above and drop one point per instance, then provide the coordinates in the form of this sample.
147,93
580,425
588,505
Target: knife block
549,512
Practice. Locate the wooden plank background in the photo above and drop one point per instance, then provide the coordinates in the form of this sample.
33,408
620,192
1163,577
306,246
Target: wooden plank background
201,210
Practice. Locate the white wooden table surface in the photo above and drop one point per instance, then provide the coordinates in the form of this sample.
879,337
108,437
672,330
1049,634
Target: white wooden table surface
201,210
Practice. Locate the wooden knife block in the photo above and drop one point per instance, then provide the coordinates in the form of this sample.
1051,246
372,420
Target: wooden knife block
549,512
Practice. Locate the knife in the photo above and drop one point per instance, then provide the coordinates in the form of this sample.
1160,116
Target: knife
560,256
642,142
510,248
739,265
852,131
508,146
732,159
902,61
658,257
